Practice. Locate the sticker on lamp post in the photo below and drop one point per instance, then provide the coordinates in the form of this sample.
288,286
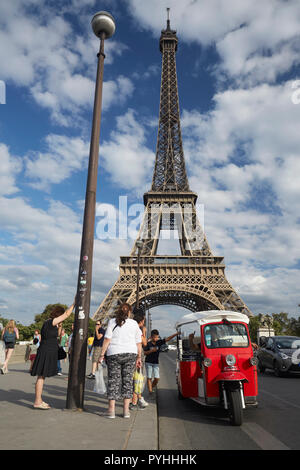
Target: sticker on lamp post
81,315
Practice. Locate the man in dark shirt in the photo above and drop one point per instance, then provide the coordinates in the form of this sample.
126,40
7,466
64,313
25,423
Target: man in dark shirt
97,346
151,352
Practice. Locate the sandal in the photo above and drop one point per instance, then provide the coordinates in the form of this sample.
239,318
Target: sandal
42,406
46,404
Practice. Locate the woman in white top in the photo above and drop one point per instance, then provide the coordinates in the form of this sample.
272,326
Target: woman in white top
123,347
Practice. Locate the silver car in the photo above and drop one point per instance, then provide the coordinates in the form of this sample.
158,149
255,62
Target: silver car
280,353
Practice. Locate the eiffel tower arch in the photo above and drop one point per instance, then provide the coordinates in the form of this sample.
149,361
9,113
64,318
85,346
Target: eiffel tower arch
195,279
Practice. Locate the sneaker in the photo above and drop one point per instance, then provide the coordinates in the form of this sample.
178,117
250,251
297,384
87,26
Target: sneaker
90,376
138,406
133,407
108,415
141,406
59,373
143,402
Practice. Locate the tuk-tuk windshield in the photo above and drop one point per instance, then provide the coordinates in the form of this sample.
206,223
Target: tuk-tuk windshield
229,335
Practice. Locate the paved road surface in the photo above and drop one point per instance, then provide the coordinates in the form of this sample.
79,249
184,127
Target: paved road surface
275,424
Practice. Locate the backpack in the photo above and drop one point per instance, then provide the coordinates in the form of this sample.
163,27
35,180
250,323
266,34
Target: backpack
9,337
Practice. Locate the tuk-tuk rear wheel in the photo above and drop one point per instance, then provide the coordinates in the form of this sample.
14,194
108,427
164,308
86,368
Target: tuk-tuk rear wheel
180,396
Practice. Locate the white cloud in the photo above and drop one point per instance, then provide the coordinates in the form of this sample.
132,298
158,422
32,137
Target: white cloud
256,39
126,157
40,51
260,122
64,156
252,199
116,92
9,168
40,263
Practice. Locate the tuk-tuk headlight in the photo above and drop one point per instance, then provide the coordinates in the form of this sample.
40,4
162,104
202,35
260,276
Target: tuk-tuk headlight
253,361
207,362
230,360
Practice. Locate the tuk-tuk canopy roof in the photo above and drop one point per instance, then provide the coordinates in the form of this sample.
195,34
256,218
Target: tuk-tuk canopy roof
211,316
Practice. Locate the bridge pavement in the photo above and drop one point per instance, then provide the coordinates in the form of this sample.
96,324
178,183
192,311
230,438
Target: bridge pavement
22,427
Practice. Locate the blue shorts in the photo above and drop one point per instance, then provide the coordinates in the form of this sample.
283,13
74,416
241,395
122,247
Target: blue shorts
152,370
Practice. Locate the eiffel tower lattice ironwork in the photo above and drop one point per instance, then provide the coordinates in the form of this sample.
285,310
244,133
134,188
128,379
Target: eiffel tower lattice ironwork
196,278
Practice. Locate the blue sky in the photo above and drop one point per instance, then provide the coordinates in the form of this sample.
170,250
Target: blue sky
237,65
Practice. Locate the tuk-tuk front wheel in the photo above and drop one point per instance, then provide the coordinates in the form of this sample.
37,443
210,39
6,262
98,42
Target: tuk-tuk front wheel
235,407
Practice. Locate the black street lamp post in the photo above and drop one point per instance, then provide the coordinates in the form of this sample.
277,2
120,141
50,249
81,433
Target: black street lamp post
104,27
139,245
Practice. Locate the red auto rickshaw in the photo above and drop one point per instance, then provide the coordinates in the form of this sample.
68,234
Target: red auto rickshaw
217,367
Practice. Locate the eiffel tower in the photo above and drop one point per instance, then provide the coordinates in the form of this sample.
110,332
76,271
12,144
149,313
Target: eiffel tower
195,279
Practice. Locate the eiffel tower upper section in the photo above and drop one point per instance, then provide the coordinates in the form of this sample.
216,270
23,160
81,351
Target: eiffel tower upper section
169,172
170,203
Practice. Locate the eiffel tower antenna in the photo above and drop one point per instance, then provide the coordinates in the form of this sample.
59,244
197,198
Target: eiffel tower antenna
168,18
195,279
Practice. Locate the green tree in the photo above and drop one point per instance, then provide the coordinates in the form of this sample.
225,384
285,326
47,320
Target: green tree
281,323
26,332
295,326
254,323
67,325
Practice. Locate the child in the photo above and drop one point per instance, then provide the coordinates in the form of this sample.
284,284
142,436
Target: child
151,352
32,351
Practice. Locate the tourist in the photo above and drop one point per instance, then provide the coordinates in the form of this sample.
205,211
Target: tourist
45,364
63,342
33,351
64,339
138,402
9,335
90,343
60,333
195,344
37,335
123,348
151,352
98,343
70,343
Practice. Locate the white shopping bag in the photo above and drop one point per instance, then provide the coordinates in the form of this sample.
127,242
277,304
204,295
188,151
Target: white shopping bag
100,386
145,377
2,352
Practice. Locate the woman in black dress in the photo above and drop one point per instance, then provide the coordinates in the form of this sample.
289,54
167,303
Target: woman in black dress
45,364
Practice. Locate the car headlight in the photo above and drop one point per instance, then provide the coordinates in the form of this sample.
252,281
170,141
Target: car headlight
207,361
230,360
284,356
253,361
